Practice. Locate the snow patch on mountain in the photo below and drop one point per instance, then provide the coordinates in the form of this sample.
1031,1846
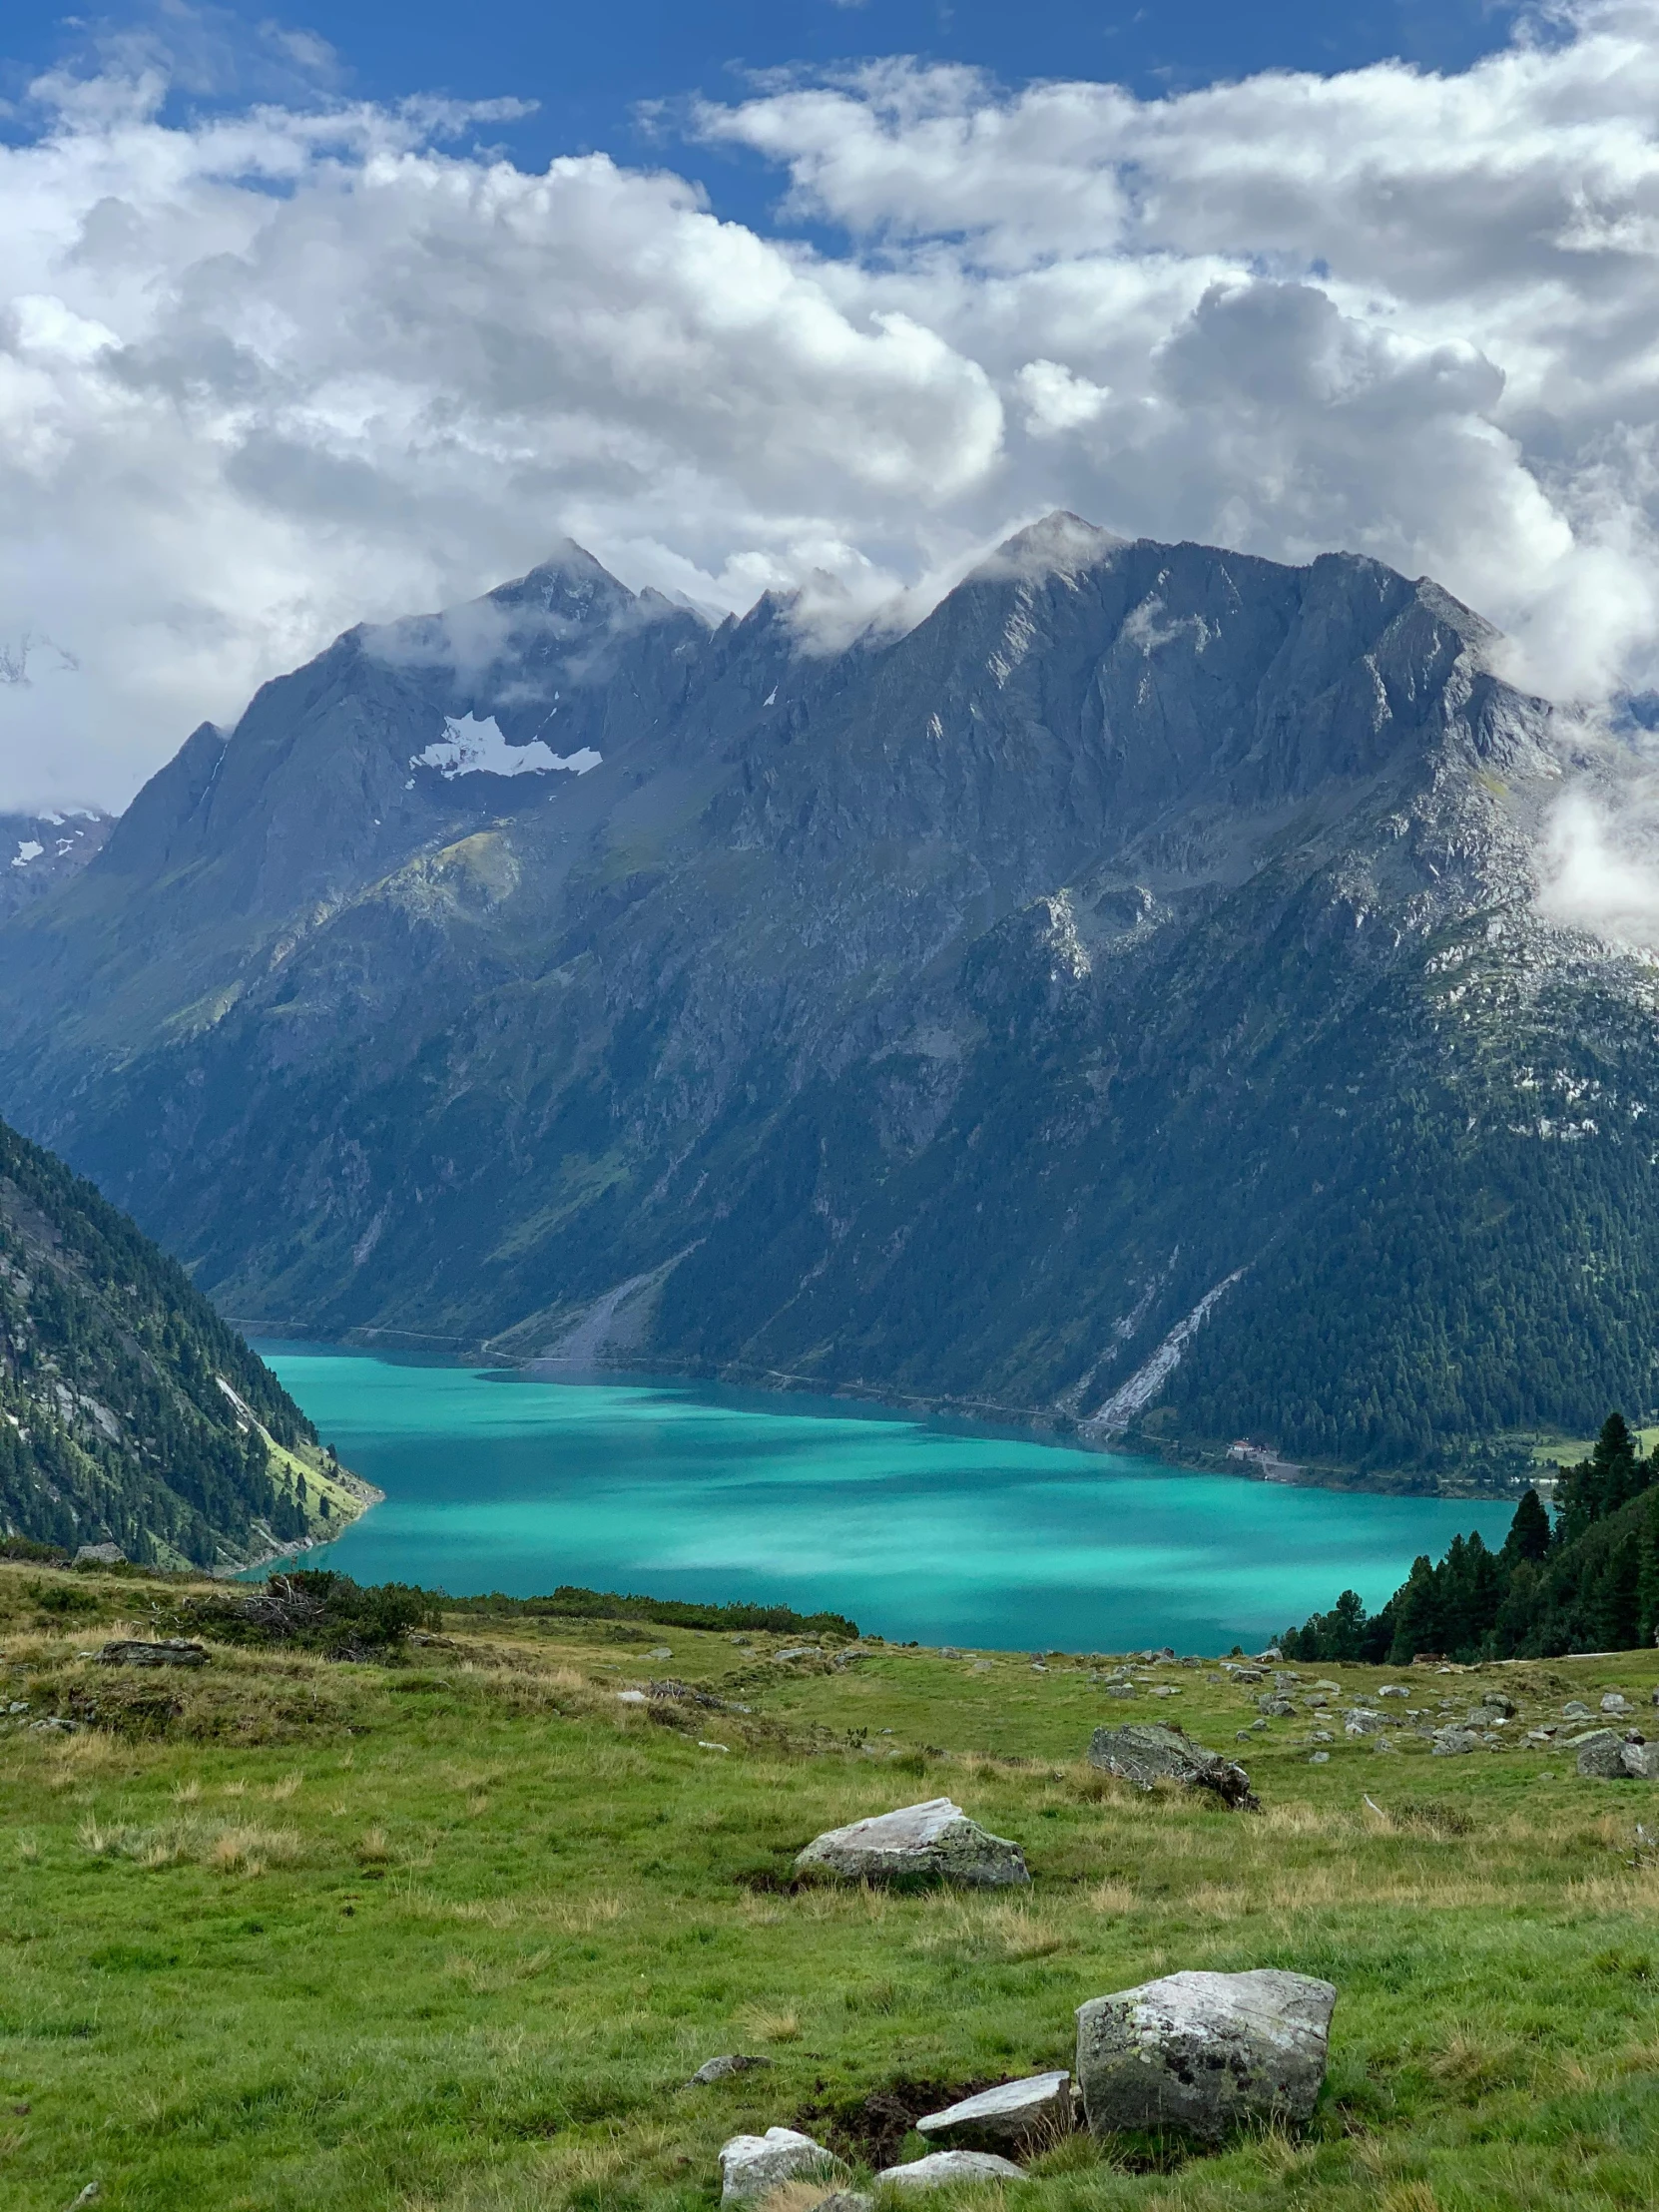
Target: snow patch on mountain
27,850
474,747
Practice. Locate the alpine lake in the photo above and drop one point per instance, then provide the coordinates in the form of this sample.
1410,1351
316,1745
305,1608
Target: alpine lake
919,1530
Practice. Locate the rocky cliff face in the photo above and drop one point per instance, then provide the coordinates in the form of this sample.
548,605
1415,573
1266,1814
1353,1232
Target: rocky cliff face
1119,1000
40,851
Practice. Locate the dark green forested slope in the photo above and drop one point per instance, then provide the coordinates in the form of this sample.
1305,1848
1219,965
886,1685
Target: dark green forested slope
1589,1584
117,1419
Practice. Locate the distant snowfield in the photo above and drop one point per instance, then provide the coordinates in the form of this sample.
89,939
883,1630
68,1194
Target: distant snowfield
474,748
27,851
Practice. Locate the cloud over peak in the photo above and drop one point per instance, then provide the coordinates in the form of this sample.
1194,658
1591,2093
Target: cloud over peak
272,373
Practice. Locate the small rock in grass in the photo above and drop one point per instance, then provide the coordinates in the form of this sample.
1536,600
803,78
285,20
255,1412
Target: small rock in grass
934,1840
1499,1702
1013,2112
721,2068
1642,1761
846,2200
1574,1711
1393,1688
632,1697
1318,1759
1277,1708
1362,1722
1451,1743
177,1651
752,2166
943,2166
1145,1755
1203,2052
1615,1702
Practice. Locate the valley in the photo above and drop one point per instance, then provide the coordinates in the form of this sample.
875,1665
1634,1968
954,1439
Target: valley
1120,1003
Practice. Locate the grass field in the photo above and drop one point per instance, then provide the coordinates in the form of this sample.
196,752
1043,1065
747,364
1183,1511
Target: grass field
450,1936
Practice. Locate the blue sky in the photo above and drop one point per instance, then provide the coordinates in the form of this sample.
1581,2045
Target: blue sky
591,68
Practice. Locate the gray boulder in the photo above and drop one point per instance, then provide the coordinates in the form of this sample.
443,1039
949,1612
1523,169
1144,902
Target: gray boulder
100,1556
752,2166
1451,1743
1362,1722
1642,1761
1277,1708
176,1652
1577,1710
1601,1754
1497,1702
1203,2052
1615,1702
723,2068
931,1842
943,2166
1146,1754
1013,2113
846,2200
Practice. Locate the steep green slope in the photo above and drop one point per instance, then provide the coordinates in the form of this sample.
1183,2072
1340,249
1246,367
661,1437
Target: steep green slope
129,1413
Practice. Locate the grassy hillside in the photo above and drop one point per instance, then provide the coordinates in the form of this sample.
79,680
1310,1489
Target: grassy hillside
129,1412
449,1934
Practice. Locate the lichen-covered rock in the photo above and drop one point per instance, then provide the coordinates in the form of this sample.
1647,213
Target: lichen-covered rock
941,2166
752,2166
1149,1753
934,1841
1014,2113
1601,1754
1203,2052
1362,1722
1451,1743
1641,1761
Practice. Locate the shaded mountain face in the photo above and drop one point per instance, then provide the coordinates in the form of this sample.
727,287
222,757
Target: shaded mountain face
129,1413
1119,1001
39,852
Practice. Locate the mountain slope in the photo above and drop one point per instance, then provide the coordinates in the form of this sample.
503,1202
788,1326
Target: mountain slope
40,851
1120,1000
129,1412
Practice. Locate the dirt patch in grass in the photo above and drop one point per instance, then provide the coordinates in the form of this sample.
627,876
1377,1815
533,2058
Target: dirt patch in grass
872,2128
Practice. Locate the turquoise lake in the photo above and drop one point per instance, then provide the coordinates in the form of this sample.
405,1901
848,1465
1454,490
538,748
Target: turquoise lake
915,1528
912,1527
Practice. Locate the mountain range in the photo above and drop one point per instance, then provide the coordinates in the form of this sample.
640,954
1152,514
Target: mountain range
1119,1001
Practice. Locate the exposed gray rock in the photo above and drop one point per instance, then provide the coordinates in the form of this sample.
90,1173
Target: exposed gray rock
1641,1761
1276,1707
1451,1743
100,1556
1393,1688
1601,1754
934,1840
1362,1722
721,2068
175,1652
752,2166
1149,1753
943,2166
846,2200
1203,2052
1573,1709
1615,1702
1013,2113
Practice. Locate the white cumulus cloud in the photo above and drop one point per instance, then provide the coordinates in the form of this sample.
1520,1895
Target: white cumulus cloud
266,373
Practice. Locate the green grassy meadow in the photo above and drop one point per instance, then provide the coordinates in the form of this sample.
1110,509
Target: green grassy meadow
450,1935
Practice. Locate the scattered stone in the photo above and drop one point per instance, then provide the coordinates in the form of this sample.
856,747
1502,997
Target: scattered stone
178,1651
1245,1674
1641,1761
1164,1689
934,1840
798,1651
100,1556
660,1651
1318,1759
943,2166
1615,1702
1451,1743
632,1697
1203,2051
1014,2113
1362,1722
722,2069
1601,1754
846,2200
1573,1711
1393,1688
1145,1754
1276,1708
1121,1689
752,2166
